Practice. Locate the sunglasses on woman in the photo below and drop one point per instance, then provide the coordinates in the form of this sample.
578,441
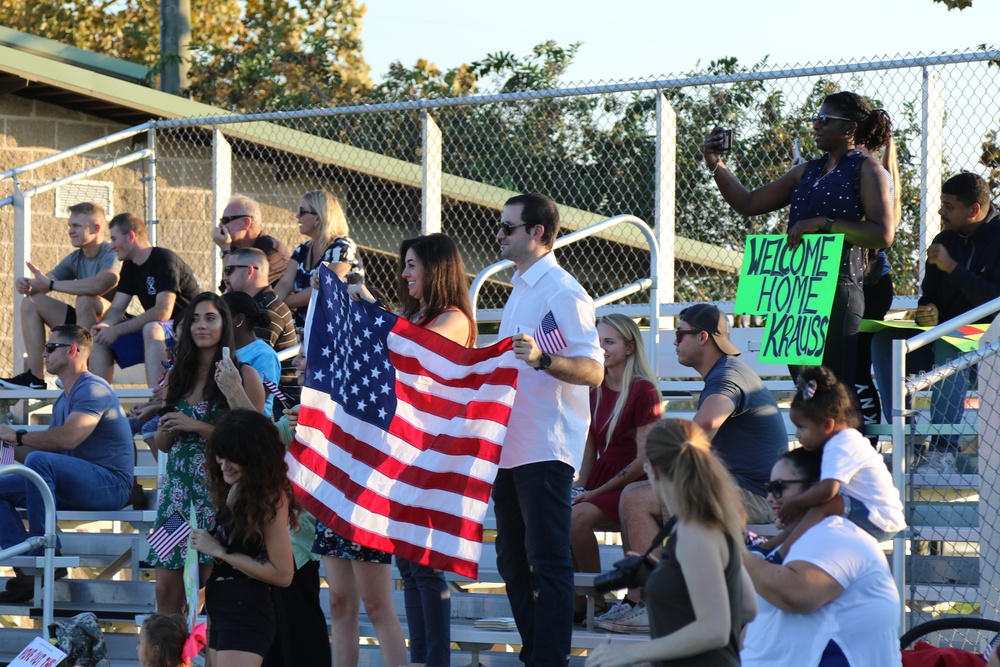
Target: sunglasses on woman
822,119
777,487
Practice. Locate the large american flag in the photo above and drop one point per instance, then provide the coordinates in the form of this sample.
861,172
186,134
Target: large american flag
399,432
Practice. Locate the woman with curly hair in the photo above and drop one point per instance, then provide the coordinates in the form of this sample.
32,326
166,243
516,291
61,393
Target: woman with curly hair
846,191
201,386
433,293
322,219
249,541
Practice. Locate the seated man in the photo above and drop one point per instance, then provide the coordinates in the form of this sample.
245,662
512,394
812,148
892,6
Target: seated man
961,273
741,418
164,285
246,271
241,227
85,456
89,273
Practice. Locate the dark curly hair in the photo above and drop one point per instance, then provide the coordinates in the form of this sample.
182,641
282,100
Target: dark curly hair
250,440
819,395
184,372
446,284
874,125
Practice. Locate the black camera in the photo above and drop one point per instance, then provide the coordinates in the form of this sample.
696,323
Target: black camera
629,572
727,141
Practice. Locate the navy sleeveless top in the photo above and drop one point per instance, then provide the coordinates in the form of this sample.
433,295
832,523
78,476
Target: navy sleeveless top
837,195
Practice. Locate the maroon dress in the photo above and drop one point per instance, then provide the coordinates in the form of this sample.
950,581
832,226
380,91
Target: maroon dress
642,407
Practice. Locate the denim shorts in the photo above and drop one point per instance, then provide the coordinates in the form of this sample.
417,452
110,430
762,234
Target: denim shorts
857,513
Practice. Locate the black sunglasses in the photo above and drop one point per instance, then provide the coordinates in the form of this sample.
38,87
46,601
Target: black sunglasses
680,333
226,219
303,212
822,118
52,347
508,228
232,267
777,487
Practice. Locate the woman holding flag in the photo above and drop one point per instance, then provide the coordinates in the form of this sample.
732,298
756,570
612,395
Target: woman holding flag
432,293
195,400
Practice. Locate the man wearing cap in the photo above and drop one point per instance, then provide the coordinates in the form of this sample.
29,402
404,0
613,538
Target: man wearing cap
740,417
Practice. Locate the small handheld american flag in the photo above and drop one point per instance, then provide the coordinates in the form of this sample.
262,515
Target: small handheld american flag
171,533
6,454
548,336
278,394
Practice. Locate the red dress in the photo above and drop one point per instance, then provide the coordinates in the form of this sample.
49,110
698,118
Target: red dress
642,407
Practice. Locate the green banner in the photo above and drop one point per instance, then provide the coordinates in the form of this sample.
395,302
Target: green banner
794,290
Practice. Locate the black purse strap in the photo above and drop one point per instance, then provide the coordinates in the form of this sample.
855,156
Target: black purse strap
668,527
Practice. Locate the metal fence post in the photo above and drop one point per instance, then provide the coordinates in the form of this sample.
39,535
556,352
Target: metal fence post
22,255
931,161
222,189
989,494
900,457
665,197
154,219
430,163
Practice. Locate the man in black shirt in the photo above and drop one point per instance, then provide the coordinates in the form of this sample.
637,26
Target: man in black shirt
164,285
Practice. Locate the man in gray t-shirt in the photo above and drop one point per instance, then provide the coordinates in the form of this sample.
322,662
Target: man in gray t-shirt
89,274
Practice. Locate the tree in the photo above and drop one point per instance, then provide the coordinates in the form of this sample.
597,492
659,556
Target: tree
955,4
247,55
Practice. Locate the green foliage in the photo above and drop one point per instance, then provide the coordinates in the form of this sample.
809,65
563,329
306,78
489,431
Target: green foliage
956,4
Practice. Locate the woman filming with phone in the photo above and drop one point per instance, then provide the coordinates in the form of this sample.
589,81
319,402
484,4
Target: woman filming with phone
845,191
699,596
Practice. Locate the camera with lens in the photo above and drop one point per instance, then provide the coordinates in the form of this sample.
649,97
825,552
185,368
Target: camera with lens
629,572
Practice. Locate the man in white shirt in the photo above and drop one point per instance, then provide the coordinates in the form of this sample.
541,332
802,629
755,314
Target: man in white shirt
551,319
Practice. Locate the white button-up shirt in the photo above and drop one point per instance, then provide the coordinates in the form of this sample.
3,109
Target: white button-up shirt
550,418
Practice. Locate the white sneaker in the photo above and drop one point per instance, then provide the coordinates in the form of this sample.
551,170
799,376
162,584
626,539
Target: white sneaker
634,621
938,462
618,609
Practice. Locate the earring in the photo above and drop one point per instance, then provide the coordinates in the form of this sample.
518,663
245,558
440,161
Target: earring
239,325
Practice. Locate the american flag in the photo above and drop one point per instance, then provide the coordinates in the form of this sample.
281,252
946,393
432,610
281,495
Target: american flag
278,394
6,453
548,336
171,533
399,431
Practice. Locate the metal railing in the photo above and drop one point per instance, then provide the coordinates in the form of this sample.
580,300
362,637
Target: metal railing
47,541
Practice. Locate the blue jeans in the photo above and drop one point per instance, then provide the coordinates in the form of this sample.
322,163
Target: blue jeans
947,396
533,512
75,483
428,613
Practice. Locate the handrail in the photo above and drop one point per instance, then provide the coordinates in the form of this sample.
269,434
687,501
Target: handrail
47,540
654,253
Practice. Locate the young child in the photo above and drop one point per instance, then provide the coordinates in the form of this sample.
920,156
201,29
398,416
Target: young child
161,641
854,482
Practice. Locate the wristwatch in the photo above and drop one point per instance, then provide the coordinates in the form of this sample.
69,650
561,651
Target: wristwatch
828,228
544,362
18,434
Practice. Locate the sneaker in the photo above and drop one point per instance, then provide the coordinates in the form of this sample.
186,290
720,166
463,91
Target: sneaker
21,588
618,609
27,379
634,621
938,462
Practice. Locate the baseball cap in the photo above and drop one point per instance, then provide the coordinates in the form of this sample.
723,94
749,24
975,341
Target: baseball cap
709,318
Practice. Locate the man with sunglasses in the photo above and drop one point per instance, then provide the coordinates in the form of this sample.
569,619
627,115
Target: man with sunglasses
738,414
247,271
164,285
551,319
241,227
85,456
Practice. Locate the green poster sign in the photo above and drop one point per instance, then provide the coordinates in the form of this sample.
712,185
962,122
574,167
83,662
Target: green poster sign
794,290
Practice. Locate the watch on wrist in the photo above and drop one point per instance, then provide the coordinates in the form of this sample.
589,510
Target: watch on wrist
544,362
18,434
829,225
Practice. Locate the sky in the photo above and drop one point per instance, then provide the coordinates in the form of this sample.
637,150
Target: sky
649,39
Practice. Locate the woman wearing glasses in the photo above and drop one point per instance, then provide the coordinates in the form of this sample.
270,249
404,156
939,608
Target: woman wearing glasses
321,219
845,191
833,602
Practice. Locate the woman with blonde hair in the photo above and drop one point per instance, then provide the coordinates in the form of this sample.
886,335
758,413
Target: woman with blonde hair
621,412
699,594
322,219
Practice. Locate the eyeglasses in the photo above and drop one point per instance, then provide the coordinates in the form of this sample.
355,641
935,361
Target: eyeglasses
508,228
777,487
232,267
303,212
226,219
821,119
52,347
680,333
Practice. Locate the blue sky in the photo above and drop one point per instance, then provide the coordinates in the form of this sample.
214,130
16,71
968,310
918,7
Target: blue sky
626,39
